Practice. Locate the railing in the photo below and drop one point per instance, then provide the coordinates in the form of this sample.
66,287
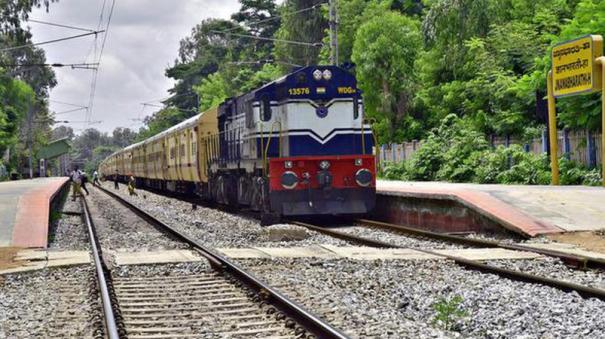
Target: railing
581,146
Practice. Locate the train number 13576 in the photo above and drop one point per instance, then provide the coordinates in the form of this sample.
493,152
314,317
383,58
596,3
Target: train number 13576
299,91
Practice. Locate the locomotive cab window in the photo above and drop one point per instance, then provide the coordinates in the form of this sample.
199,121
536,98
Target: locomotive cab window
355,108
265,113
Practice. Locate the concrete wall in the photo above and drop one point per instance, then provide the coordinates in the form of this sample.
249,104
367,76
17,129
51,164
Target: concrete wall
435,214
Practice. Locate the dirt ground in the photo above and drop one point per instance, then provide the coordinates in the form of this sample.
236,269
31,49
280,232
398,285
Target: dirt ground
592,241
7,257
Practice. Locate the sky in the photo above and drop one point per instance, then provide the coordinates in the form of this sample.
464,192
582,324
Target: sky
142,42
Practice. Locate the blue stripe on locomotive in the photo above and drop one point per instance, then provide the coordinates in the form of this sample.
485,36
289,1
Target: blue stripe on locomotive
305,145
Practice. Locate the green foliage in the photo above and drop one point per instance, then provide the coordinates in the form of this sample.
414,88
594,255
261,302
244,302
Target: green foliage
593,177
583,111
446,154
213,91
447,71
308,26
448,311
456,152
573,173
384,51
16,98
160,121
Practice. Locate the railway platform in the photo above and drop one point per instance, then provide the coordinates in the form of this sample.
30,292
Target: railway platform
525,210
25,207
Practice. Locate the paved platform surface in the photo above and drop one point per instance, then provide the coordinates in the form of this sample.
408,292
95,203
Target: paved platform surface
530,209
371,253
25,211
37,259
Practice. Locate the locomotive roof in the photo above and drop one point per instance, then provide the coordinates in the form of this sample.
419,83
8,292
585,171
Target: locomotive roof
339,75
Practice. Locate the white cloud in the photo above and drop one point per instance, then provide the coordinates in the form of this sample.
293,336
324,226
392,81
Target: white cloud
143,40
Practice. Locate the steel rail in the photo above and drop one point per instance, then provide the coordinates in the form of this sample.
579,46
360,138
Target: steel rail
110,320
309,321
585,291
577,260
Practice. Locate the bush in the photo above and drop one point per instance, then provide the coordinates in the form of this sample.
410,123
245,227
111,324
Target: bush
456,152
395,171
445,154
593,177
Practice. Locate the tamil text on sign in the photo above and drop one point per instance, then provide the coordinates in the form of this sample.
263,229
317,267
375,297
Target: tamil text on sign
573,66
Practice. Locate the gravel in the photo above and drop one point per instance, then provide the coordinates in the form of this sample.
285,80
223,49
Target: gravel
50,303
397,239
69,231
398,300
217,228
554,268
121,230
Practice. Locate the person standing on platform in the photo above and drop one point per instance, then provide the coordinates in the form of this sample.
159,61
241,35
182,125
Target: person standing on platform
95,179
131,185
115,181
76,179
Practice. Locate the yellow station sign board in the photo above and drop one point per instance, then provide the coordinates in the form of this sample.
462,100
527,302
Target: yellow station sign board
573,69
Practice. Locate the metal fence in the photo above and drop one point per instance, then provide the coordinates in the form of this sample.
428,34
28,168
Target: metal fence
581,146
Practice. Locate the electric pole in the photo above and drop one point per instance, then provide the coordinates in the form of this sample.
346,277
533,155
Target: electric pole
30,138
333,34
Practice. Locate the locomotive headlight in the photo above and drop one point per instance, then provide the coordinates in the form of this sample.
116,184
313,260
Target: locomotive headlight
288,164
358,162
324,164
327,74
363,177
289,180
317,74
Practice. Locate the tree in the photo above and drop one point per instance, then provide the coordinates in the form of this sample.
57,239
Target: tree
581,111
159,121
200,55
259,18
62,131
384,51
213,91
84,144
308,26
122,137
16,99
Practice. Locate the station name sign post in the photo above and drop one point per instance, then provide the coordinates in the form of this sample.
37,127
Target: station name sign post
577,68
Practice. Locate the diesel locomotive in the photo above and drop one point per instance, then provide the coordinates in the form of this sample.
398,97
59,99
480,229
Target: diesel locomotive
297,146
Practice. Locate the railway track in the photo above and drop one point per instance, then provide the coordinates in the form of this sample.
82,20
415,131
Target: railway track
224,301
585,291
577,261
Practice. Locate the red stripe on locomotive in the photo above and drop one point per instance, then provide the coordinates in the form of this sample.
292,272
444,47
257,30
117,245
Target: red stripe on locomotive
342,168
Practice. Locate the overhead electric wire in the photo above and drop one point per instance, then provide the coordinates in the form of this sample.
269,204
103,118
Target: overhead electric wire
262,62
275,17
73,66
302,43
93,86
172,97
70,111
66,103
60,25
50,41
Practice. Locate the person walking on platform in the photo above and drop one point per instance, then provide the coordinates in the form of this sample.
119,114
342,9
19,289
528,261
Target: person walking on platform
76,179
131,185
115,181
95,179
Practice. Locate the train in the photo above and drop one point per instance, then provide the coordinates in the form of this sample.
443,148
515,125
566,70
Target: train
296,146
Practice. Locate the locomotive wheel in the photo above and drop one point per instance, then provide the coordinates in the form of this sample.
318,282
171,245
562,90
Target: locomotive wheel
268,218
